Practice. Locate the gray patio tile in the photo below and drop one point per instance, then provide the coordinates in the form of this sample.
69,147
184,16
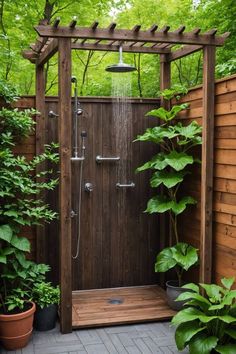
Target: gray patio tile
106,340
125,339
141,345
151,345
58,349
88,337
117,343
133,350
96,349
119,329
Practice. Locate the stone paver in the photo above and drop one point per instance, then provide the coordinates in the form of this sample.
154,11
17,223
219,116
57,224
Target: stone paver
148,338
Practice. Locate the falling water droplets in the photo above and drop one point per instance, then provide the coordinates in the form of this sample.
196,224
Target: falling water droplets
122,118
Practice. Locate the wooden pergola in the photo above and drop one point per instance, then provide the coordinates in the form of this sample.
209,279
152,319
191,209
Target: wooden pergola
56,38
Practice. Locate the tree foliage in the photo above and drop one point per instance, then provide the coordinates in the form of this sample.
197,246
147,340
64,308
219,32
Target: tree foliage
17,18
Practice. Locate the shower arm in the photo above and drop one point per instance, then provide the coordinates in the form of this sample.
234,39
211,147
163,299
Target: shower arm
121,55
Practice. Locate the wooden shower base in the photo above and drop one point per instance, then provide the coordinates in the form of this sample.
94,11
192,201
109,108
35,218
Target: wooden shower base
94,308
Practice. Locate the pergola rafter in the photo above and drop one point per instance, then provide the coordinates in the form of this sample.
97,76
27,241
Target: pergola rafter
152,41
53,38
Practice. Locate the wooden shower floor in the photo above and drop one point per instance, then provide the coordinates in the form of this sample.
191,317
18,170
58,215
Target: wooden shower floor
91,308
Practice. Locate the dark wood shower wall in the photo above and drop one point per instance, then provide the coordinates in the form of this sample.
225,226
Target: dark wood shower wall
118,242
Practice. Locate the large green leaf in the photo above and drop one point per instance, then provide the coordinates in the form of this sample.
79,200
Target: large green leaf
190,130
20,256
226,349
213,292
157,162
227,282
178,160
190,295
157,134
231,332
166,115
185,331
159,204
186,315
202,344
169,179
185,255
165,260
21,243
180,206
5,233
192,286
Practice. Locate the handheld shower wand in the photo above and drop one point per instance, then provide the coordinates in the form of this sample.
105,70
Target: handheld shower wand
77,111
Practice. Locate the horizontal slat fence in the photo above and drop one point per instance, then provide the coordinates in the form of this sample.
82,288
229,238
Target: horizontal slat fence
224,202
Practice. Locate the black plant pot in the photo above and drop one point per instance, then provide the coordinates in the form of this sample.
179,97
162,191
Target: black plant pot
173,290
45,319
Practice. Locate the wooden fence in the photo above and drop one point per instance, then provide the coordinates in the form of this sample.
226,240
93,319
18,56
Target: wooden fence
224,206
224,202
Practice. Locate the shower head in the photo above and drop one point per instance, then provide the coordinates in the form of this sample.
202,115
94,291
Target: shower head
121,67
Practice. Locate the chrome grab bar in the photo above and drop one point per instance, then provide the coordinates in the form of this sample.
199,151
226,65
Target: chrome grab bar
127,185
100,158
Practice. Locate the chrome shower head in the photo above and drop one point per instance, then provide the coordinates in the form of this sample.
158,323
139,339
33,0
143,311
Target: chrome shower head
121,67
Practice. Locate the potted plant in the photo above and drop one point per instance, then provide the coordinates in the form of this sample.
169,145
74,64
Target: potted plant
19,208
208,323
170,166
46,298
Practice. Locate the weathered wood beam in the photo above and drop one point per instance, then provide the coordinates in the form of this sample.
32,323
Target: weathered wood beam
94,25
56,22
115,48
73,22
128,35
50,50
30,55
153,28
184,51
207,164
64,74
40,141
112,26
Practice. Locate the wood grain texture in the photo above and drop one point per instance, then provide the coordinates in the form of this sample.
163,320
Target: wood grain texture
65,129
91,308
39,149
224,186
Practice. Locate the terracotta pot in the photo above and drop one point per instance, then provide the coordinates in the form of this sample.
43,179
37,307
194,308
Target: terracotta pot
15,330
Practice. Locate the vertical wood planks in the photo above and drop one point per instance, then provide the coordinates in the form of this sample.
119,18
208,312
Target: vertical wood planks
65,182
207,164
40,141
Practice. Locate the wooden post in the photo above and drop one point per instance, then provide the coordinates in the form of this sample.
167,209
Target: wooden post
207,164
40,141
65,182
165,82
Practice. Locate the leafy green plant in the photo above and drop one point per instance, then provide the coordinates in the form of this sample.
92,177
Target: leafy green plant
20,205
7,91
44,294
180,257
208,323
169,167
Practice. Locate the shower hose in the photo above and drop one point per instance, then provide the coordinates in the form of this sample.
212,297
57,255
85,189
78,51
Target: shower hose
79,211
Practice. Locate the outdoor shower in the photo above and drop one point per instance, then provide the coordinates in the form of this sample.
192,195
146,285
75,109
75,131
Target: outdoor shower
121,67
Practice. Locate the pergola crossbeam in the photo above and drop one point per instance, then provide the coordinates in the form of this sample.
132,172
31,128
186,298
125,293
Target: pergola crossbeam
115,48
184,51
50,50
162,36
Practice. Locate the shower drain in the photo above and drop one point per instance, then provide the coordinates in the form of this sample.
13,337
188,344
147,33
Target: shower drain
115,301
